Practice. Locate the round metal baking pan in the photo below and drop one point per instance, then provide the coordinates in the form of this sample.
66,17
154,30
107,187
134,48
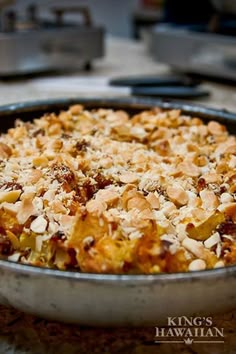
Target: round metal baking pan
114,300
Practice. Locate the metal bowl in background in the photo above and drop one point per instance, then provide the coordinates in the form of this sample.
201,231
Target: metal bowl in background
114,300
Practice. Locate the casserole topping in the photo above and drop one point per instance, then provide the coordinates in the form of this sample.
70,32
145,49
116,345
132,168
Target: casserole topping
101,191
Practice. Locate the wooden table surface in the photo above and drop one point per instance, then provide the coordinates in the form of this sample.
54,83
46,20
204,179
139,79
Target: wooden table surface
20,333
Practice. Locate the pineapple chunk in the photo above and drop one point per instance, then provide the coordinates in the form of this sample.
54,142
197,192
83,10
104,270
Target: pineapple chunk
203,230
9,196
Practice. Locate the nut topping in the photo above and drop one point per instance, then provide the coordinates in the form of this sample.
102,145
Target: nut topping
189,169
39,225
103,190
215,128
177,195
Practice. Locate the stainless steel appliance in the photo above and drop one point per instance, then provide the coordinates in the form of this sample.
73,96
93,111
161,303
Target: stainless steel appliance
34,44
206,48
195,52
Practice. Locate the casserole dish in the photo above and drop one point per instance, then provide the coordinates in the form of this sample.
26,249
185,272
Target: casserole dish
108,299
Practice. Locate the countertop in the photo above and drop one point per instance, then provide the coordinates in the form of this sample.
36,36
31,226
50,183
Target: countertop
123,57
21,333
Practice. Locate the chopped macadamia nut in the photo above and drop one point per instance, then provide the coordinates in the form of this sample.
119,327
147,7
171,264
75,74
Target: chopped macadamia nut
226,198
26,210
129,177
212,178
11,207
209,199
35,176
197,264
231,150
5,151
76,109
96,207
189,169
216,128
39,225
219,264
107,196
177,194
195,247
212,240
153,200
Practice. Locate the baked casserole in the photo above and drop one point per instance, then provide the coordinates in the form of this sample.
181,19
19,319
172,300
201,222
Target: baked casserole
102,191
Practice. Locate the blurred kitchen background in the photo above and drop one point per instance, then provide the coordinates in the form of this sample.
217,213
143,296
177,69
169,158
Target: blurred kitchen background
177,49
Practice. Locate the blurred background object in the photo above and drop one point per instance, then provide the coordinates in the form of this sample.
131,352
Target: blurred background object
47,39
202,20
146,14
187,12
197,37
113,15
31,42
